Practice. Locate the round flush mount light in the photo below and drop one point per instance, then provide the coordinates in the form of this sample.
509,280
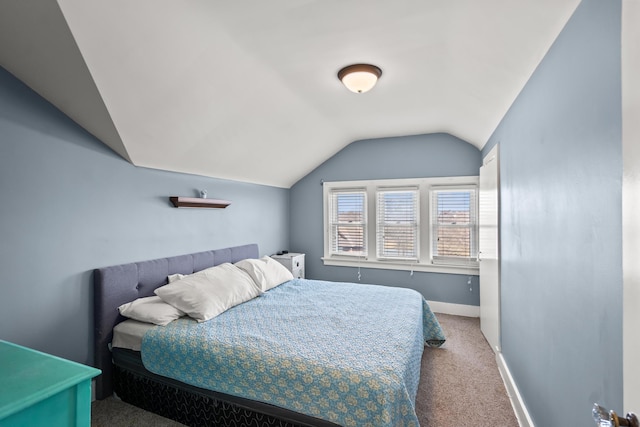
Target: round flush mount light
359,78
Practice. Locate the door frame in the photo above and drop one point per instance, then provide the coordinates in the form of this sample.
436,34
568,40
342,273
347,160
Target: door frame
630,67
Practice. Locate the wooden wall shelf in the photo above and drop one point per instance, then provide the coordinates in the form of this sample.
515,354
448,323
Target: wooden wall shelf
196,202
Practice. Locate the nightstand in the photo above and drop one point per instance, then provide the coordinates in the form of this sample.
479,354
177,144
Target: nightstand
294,263
43,390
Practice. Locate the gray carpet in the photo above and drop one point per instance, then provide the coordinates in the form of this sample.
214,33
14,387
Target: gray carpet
459,386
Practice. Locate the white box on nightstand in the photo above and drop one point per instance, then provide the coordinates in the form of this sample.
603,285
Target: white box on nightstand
294,263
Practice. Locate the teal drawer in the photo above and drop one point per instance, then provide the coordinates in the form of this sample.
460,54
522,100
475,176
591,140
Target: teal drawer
43,390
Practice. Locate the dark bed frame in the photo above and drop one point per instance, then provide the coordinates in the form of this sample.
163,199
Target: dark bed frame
189,405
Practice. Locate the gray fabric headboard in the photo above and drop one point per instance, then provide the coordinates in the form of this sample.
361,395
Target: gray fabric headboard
116,285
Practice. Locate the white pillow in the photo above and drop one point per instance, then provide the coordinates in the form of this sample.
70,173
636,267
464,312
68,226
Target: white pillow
266,272
208,293
174,277
150,310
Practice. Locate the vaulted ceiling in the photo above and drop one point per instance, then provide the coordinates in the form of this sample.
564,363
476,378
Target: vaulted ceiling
247,90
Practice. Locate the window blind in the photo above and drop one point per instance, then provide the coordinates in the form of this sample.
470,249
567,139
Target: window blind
454,226
348,222
397,223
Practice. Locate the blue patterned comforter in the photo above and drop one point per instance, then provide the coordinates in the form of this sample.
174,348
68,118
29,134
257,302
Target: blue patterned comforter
347,353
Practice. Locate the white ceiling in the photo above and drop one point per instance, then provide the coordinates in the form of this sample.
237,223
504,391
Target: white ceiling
247,90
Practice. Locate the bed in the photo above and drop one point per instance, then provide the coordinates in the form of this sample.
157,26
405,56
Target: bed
262,376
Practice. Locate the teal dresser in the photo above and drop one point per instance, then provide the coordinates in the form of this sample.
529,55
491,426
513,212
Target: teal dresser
37,389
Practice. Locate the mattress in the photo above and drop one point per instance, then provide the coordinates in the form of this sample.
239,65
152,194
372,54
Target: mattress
128,334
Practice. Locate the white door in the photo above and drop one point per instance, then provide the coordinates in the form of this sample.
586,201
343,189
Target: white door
489,250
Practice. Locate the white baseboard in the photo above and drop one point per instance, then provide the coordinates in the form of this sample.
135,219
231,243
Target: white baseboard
456,309
524,419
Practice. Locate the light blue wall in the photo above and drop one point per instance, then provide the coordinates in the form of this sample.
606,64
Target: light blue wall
69,205
418,156
561,170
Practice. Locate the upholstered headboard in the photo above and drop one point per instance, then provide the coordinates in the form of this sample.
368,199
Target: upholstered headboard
116,285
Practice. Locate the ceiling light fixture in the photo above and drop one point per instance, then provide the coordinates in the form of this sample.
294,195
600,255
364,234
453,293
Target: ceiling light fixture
359,78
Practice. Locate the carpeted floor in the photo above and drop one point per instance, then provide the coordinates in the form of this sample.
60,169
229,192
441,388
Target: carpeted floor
460,386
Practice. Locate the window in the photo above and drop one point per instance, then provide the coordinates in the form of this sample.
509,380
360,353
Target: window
454,228
425,224
398,224
348,222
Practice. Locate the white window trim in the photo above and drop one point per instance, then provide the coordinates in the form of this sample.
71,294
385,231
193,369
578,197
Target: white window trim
379,223
448,188
371,261
329,228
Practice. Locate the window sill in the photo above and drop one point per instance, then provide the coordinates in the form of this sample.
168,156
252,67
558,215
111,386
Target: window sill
473,270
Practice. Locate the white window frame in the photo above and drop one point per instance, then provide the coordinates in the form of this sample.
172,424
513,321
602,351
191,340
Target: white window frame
472,225
412,224
424,262
333,223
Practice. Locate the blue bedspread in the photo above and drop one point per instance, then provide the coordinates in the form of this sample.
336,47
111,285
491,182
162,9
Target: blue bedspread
347,353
